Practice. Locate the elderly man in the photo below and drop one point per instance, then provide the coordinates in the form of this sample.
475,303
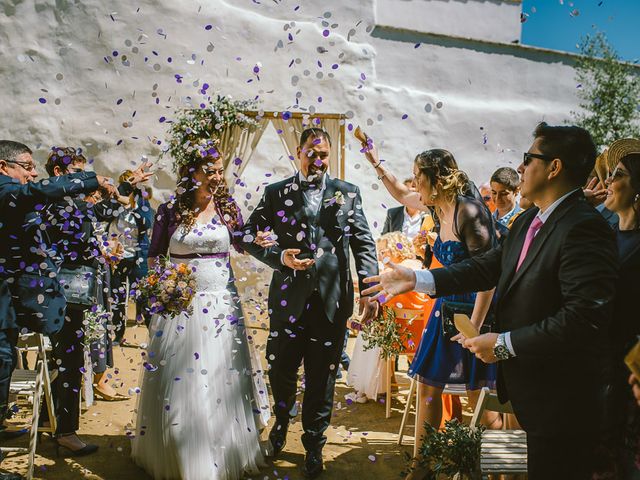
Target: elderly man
30,295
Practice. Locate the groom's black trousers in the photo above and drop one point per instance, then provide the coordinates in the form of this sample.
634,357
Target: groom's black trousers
317,342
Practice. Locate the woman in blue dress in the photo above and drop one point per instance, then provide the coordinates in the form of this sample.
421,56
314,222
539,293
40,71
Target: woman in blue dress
464,228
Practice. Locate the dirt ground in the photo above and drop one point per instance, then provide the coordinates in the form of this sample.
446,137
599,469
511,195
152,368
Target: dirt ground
362,443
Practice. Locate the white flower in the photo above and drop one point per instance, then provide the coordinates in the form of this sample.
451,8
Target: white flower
338,198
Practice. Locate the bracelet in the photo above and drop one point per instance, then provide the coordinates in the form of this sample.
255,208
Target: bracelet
378,164
380,177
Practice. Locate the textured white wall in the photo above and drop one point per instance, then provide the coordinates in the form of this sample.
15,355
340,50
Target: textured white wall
453,91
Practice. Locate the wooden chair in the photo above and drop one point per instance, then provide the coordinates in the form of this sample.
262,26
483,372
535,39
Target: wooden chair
32,384
502,451
408,315
413,393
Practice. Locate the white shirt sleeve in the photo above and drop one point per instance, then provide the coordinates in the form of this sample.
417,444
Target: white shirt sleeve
425,282
507,340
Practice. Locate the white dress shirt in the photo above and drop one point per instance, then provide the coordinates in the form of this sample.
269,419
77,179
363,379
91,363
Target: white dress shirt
426,284
312,201
411,225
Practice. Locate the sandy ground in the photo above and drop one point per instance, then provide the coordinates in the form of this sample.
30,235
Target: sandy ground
362,443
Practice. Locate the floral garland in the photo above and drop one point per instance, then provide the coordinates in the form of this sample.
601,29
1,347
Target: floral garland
95,325
197,132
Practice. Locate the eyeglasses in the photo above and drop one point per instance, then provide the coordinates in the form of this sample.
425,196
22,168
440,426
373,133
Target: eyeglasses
28,166
618,174
527,157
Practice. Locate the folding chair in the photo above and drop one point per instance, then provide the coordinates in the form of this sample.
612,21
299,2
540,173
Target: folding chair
32,384
502,451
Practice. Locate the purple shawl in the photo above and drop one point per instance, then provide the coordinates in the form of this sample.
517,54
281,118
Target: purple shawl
167,222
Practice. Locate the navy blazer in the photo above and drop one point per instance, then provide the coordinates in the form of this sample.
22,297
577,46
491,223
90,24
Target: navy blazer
28,280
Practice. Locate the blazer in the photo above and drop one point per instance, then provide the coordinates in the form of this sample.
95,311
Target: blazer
338,227
30,294
394,220
558,307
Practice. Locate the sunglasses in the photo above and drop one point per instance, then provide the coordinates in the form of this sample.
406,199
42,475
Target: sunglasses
618,174
527,157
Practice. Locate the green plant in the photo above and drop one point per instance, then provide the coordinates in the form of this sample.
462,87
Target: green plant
453,451
609,92
197,132
386,333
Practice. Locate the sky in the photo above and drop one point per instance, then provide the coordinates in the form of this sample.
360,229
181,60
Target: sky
559,24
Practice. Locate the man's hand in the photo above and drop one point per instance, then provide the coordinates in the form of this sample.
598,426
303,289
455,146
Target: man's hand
266,239
368,310
107,186
140,174
396,280
482,346
290,260
595,192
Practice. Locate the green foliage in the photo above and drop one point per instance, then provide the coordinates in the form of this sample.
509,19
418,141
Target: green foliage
197,132
609,92
386,333
452,451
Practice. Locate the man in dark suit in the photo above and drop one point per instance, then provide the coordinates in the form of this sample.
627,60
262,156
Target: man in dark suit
404,219
27,273
316,220
555,276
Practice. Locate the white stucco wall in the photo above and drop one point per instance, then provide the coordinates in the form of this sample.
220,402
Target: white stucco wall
454,91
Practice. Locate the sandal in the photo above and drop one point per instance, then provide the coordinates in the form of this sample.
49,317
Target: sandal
118,397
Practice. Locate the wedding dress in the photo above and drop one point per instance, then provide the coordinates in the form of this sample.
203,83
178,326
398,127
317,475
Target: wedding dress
201,404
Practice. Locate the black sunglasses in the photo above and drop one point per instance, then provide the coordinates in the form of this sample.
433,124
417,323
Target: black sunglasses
527,157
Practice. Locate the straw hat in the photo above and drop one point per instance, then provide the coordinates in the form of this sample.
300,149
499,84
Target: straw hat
607,160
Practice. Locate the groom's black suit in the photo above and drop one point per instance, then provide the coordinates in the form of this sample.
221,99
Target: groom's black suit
308,309
558,308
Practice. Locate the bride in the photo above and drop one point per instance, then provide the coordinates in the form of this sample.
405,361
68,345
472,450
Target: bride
196,416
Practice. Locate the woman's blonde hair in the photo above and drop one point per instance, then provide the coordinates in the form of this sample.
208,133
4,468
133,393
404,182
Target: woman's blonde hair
441,168
398,245
124,177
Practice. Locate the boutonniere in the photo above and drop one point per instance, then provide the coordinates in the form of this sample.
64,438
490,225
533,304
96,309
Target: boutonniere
337,198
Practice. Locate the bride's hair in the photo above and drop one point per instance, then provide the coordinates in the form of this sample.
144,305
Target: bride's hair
185,197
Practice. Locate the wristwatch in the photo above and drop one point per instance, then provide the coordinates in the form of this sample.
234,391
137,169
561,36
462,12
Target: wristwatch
500,349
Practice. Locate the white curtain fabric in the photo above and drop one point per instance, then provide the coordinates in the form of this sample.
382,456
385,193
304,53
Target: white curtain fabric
238,142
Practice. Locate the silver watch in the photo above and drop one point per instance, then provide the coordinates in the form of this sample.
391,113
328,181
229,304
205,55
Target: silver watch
500,349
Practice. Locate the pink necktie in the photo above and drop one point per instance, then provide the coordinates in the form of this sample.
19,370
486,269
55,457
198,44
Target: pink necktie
531,233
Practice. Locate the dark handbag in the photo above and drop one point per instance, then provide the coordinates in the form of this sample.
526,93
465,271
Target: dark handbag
39,303
449,309
79,285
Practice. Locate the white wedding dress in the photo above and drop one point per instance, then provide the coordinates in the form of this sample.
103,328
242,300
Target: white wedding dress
201,404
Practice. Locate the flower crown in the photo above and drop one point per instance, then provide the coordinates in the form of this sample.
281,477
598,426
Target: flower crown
196,132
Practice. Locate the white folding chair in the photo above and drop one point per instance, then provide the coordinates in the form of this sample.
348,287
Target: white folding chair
502,451
32,384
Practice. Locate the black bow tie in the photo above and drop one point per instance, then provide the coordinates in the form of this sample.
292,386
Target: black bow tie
310,185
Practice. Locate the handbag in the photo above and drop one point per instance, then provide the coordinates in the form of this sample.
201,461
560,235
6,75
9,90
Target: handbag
447,311
79,285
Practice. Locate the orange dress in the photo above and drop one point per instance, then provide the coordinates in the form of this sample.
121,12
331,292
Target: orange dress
451,406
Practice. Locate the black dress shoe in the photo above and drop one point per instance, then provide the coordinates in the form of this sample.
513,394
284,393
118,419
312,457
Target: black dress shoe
313,465
278,438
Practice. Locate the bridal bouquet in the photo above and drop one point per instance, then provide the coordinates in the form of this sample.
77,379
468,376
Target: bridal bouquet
168,289
95,325
386,333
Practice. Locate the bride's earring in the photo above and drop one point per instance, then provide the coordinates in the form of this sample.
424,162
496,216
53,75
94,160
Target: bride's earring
433,196
636,198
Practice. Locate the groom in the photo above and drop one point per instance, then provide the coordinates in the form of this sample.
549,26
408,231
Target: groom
316,220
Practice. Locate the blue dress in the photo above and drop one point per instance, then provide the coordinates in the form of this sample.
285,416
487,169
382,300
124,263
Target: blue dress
439,361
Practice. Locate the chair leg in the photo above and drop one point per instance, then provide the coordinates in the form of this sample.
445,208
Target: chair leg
407,407
33,435
388,368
